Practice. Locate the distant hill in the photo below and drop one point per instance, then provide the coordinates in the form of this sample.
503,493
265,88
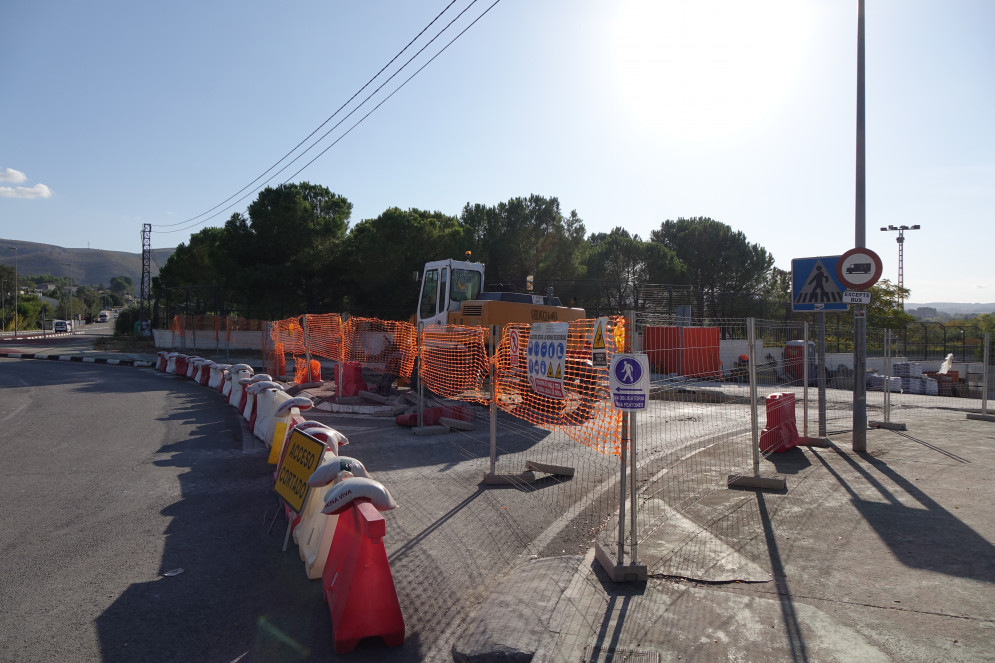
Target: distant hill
953,308
87,266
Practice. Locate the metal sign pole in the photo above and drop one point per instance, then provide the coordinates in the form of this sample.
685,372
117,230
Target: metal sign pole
621,492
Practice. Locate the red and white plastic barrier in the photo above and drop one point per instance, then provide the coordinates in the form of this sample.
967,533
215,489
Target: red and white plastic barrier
357,582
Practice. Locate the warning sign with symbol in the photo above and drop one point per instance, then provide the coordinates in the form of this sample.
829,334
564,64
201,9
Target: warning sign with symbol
547,352
514,347
814,285
599,350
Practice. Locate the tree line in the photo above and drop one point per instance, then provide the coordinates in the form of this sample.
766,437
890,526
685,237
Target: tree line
293,251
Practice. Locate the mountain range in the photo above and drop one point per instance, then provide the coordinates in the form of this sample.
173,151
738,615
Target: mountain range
86,266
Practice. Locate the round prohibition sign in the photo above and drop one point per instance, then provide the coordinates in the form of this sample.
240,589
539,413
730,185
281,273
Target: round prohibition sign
859,269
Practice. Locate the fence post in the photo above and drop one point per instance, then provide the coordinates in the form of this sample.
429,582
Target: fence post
821,350
493,407
887,375
886,388
633,484
751,354
421,386
986,357
755,480
805,379
307,350
986,354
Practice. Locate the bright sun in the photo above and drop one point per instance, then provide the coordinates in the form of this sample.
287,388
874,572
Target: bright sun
705,70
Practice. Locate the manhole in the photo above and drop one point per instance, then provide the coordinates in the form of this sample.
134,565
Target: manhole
595,654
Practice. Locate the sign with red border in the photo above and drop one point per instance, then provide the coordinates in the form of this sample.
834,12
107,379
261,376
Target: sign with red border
859,269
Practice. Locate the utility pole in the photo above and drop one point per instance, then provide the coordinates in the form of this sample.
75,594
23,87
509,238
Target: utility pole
145,302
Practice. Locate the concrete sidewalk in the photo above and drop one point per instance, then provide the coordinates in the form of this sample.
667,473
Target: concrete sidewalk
878,556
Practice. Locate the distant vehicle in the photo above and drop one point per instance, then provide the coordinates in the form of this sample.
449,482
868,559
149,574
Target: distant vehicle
61,326
859,268
103,317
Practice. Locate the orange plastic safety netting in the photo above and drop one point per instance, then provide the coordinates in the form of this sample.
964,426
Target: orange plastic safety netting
564,389
325,335
386,347
454,362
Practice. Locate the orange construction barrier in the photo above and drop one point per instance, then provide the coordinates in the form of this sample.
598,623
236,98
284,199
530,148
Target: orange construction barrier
357,583
781,432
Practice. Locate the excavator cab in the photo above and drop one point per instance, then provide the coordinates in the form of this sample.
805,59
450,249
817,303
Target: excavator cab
445,285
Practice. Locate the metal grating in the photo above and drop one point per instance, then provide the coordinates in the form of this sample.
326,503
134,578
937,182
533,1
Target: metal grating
598,654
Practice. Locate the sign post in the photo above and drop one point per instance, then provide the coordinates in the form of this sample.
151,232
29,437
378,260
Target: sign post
859,269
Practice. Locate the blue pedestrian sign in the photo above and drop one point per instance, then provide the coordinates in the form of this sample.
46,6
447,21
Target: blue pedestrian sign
815,286
629,381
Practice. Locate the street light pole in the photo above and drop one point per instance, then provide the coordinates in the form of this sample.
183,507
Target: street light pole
901,256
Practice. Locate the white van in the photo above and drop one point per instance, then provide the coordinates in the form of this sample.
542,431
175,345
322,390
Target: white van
61,326
103,317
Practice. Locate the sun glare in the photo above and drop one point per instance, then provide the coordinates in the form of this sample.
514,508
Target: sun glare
705,70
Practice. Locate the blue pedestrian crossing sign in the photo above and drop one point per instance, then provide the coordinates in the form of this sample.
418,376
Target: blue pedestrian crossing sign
814,285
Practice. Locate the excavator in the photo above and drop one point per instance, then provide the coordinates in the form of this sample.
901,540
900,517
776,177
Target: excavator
452,293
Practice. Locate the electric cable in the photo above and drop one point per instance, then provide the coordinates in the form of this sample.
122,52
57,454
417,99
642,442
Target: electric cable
318,128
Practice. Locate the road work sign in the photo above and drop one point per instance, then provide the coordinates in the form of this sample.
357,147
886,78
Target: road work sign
302,458
599,348
629,381
547,358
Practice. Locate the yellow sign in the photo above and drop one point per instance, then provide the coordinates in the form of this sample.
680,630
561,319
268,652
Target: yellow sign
302,458
599,335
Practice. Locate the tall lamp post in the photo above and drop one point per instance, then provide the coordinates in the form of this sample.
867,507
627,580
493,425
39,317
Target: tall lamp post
901,255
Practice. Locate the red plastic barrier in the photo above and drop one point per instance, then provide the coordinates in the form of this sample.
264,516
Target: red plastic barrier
181,364
162,360
357,583
352,379
205,373
781,432
431,415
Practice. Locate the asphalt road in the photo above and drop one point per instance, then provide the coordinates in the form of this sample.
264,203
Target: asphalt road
114,476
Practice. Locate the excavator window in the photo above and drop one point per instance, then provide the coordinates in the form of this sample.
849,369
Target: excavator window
442,289
429,293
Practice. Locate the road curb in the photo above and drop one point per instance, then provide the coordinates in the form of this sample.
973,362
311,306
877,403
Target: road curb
78,358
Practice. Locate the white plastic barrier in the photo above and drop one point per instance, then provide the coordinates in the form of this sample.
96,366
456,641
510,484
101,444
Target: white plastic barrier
287,415
314,532
217,376
250,394
171,362
266,402
193,363
238,372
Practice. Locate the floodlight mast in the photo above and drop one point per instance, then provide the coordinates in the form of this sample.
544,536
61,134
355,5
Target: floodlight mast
901,256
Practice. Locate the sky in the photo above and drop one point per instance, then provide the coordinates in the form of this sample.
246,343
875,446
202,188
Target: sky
631,112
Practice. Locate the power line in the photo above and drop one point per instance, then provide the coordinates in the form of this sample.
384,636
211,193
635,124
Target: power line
319,127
